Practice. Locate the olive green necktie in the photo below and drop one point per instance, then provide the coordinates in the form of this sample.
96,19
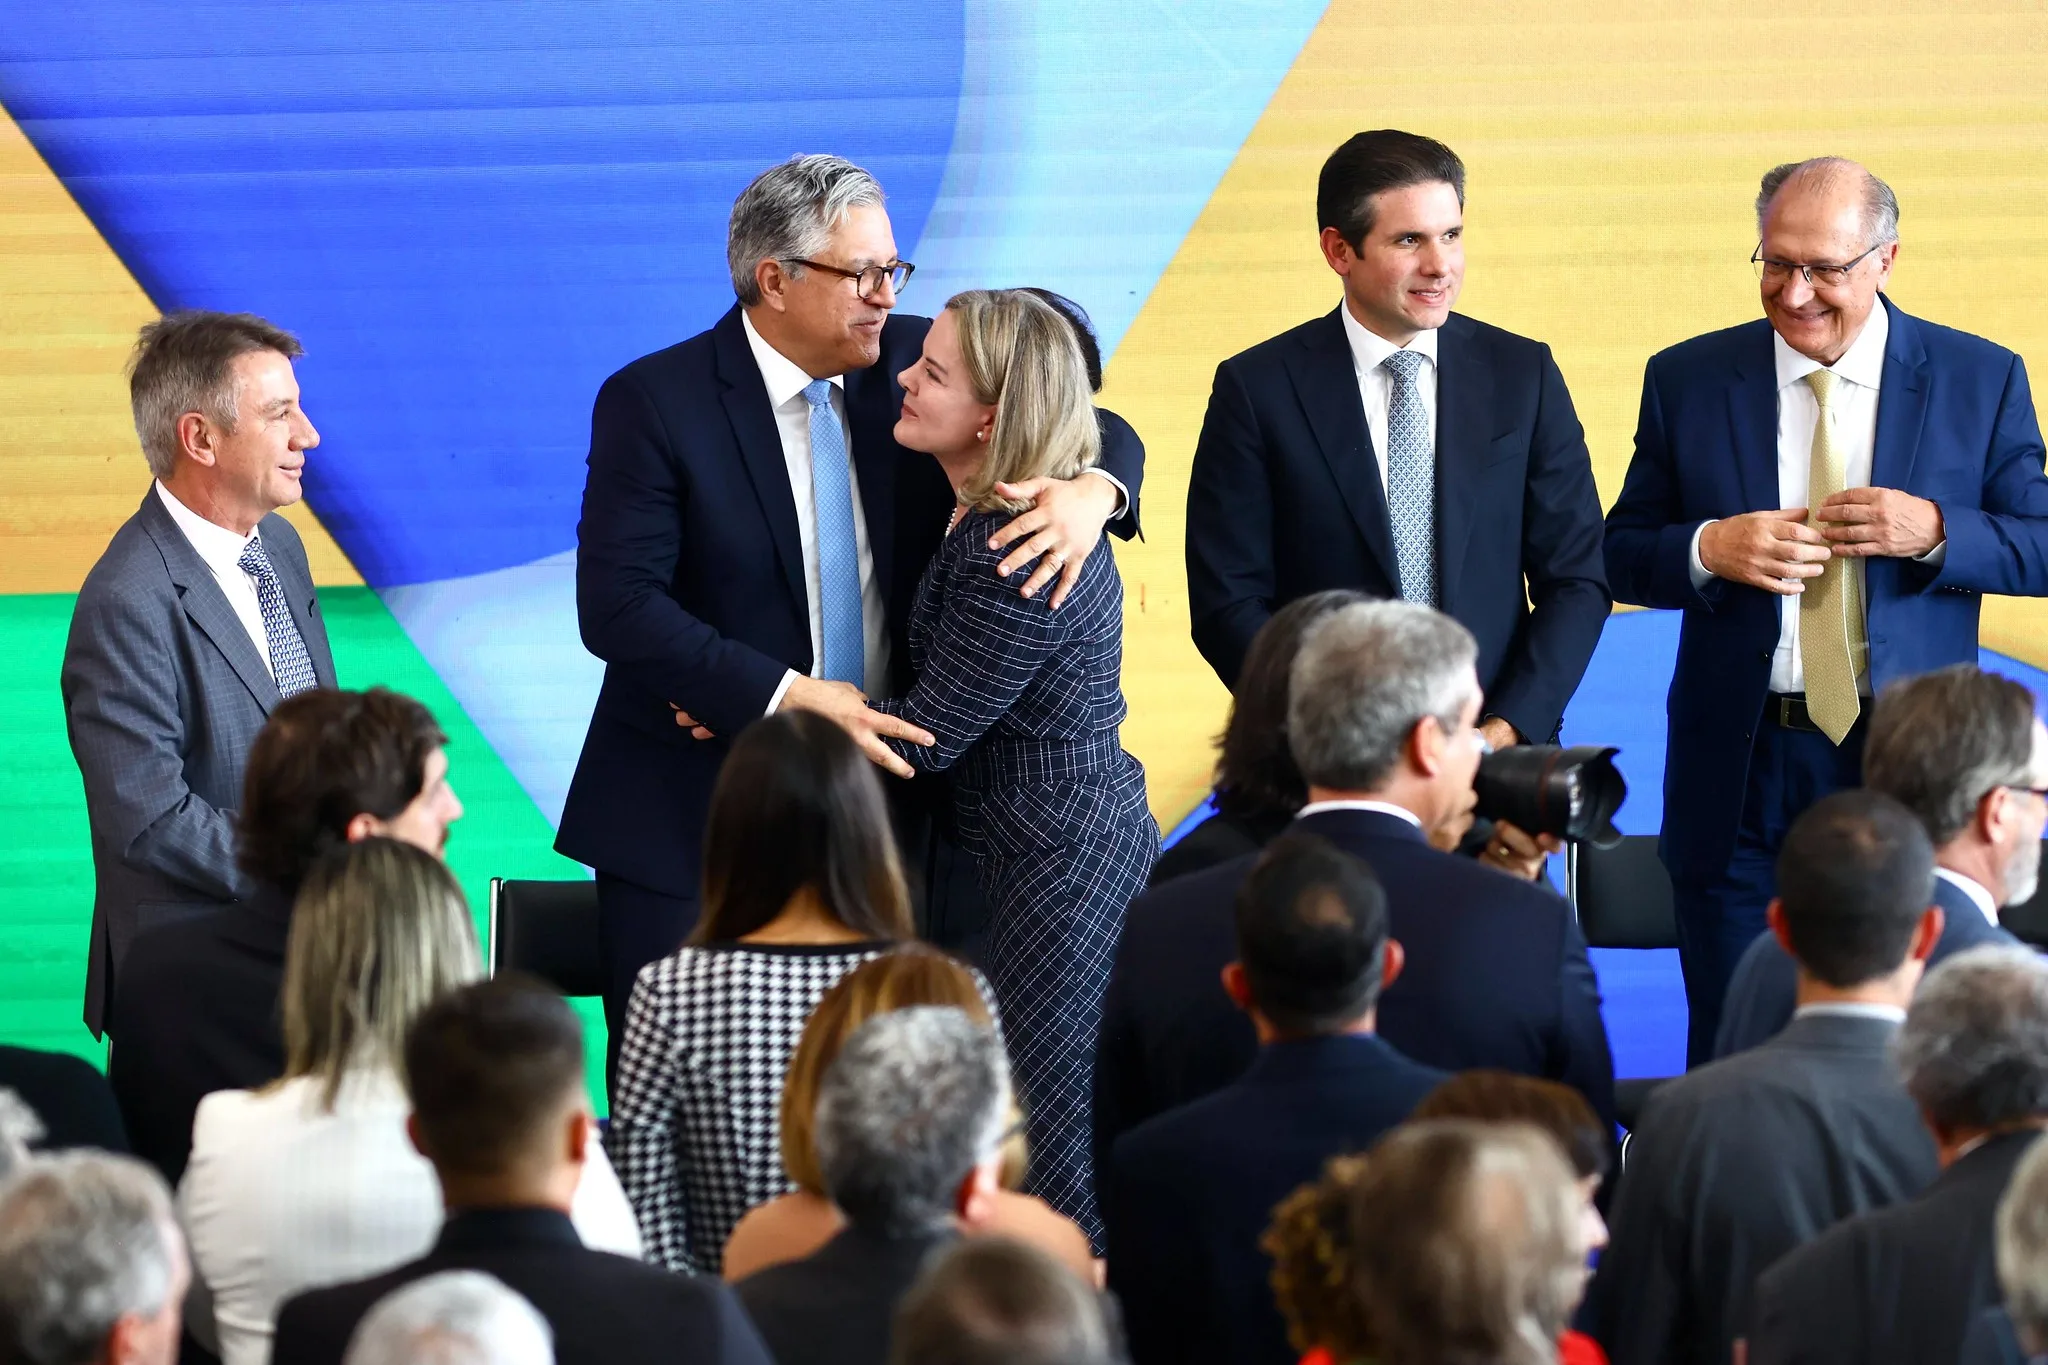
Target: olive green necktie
1832,645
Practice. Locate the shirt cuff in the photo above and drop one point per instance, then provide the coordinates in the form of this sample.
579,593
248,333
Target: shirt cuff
1123,494
1935,557
775,701
1699,572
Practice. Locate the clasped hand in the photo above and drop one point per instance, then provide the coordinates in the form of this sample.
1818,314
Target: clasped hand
1060,530
846,704
1778,551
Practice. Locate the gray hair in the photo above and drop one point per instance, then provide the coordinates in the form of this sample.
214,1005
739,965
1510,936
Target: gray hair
1880,205
1939,742
458,1317
915,1100
1366,674
1974,1049
789,211
184,362
19,1126
2022,1242
86,1239
999,1301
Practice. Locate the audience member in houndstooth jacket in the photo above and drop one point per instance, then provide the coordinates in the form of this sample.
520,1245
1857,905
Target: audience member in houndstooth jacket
801,885
1024,704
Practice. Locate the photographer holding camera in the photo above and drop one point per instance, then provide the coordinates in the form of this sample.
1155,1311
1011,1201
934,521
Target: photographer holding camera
1382,720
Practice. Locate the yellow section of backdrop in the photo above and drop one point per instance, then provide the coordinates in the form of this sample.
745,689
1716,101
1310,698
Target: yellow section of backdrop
70,469
1613,154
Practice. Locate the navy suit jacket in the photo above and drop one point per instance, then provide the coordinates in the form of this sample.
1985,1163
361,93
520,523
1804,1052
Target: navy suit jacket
1762,994
1195,1190
1955,424
1497,976
690,576
1284,500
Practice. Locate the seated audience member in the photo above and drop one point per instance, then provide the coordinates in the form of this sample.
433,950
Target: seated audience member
1258,787
495,1071
2016,1330
196,1010
1737,1163
458,1317
1904,1284
1190,1191
999,1301
1309,1240
801,885
797,1224
71,1099
909,1131
310,1179
92,1266
1962,750
1469,1244
1381,719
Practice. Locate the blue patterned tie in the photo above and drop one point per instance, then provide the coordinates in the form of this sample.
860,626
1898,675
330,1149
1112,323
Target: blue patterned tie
1411,480
838,561
289,662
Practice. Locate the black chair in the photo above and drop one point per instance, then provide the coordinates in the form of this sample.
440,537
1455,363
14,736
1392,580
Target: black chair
1622,897
548,929
2028,921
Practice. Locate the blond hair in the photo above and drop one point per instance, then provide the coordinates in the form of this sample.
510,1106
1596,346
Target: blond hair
380,929
1022,357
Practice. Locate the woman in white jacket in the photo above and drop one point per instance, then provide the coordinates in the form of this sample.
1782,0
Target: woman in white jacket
311,1180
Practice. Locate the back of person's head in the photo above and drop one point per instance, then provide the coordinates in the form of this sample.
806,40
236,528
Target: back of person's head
494,1069
1939,742
1255,771
1310,1243
1855,875
915,1101
20,1127
1371,163
1365,677
1503,1097
455,1317
1084,332
323,758
999,1301
1467,1243
379,929
798,806
1021,356
92,1265
911,974
1974,1048
2022,1242
1311,936
184,362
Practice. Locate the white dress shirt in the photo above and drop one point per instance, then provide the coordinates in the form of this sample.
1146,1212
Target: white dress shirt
281,1196
1377,807
1850,1009
221,549
1979,895
1369,351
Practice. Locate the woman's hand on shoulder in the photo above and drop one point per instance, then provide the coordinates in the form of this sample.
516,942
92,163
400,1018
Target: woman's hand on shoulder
1059,530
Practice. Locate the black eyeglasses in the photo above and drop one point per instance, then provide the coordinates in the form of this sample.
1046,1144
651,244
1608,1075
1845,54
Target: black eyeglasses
1819,276
868,281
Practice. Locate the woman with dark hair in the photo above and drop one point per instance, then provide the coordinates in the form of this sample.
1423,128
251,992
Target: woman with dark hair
801,885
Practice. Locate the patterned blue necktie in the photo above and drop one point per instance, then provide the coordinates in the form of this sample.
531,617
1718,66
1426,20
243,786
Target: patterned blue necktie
1411,479
838,561
289,662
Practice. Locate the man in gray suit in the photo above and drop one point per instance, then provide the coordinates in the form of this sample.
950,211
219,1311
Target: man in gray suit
198,619
1739,1162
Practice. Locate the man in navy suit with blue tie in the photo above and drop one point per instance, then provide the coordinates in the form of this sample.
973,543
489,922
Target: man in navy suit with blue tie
1826,494
752,536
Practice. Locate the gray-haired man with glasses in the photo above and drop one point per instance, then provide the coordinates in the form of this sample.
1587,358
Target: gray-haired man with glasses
1827,494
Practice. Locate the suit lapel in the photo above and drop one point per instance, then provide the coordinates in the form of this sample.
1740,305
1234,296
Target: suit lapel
1753,422
1901,402
1326,383
1464,439
300,596
871,409
753,427
204,604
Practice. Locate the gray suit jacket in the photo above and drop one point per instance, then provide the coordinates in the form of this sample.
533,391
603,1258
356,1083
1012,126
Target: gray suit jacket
163,694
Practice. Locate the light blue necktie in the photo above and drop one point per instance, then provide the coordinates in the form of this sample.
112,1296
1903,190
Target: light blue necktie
1411,479
838,560
290,665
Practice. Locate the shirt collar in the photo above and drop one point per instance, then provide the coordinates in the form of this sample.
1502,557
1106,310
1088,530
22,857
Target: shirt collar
784,377
1376,807
1849,1009
216,544
1862,364
1369,349
1975,890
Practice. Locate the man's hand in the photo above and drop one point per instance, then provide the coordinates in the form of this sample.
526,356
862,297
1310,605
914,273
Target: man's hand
1064,525
1776,551
1498,733
1862,522
1517,853
848,705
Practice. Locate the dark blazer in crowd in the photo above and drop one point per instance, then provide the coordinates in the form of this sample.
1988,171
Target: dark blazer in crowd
1284,500
197,1012
1737,1163
835,1306
604,1309
1766,982
1992,1341
163,695
1497,976
1194,1189
69,1095
1900,1286
1218,839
